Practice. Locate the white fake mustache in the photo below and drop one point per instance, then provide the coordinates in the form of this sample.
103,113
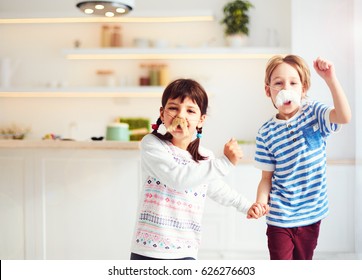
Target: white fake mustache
285,96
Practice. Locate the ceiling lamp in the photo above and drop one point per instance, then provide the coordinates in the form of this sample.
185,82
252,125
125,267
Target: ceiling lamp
108,8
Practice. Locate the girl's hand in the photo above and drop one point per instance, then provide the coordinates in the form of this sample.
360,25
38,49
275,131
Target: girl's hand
232,151
324,68
257,210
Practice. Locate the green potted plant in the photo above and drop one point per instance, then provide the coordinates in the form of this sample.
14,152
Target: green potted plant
236,21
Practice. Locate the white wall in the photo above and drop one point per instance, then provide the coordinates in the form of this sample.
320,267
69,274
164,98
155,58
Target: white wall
238,106
358,116
328,30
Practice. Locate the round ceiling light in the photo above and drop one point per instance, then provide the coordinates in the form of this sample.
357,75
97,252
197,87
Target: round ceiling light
108,8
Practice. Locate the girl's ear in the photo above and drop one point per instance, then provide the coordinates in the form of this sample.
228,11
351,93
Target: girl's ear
201,121
162,112
267,90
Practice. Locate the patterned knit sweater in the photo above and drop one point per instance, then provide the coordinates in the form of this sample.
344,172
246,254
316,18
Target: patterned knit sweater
171,205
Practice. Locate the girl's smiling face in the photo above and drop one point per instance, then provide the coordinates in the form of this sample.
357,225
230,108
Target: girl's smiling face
285,77
188,110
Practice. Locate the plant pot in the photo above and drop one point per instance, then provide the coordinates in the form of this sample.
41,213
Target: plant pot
236,40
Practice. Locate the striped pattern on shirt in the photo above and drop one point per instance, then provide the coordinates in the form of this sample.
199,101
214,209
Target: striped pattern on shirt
295,150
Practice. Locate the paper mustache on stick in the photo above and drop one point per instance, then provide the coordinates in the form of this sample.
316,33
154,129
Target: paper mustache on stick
178,122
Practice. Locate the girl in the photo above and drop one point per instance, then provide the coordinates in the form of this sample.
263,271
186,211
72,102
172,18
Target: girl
177,174
291,152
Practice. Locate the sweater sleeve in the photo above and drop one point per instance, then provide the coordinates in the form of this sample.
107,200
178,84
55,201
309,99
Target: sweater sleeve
158,162
223,194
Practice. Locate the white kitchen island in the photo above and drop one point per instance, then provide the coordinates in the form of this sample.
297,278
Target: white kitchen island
78,200
67,199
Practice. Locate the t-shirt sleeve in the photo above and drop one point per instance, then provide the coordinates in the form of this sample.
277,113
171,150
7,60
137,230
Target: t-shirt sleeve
322,113
263,158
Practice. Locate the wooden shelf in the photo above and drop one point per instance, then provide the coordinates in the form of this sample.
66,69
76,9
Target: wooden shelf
174,53
121,92
135,17
59,144
207,53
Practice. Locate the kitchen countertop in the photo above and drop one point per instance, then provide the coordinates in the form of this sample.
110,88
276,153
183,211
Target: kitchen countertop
55,144
110,145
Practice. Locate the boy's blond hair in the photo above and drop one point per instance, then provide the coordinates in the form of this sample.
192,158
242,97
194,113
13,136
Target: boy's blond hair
293,60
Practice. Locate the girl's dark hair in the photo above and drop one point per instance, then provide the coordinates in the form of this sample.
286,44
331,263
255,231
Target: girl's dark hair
183,88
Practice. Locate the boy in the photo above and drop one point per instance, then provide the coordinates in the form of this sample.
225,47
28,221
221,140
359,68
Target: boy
291,152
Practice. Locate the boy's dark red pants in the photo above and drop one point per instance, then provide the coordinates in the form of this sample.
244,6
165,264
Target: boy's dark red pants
296,243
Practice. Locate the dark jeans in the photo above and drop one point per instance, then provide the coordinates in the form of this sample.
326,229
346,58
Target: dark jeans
140,257
296,243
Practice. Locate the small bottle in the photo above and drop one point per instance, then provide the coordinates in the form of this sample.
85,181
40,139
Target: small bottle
154,75
105,36
164,75
106,78
76,44
144,77
116,37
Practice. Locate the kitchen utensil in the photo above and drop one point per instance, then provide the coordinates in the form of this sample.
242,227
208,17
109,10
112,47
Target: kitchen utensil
7,69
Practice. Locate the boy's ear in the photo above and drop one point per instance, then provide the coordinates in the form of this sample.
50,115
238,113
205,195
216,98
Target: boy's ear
267,90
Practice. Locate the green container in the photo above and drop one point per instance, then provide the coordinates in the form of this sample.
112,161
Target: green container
117,132
136,123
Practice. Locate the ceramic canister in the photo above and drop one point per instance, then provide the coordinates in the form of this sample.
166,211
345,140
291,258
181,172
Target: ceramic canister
118,132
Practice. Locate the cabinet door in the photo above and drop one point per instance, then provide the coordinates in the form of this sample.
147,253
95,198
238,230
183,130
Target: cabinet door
337,230
214,230
227,234
90,202
248,239
12,207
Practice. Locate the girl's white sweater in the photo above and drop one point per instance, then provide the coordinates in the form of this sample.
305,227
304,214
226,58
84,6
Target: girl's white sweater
171,205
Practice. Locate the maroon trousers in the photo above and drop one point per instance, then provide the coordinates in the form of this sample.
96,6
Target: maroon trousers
296,243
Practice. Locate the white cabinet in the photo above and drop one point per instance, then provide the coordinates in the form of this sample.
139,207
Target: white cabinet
337,230
227,234
82,204
67,204
13,209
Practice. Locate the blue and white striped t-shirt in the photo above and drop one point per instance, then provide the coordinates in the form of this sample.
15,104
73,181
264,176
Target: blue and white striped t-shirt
295,150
